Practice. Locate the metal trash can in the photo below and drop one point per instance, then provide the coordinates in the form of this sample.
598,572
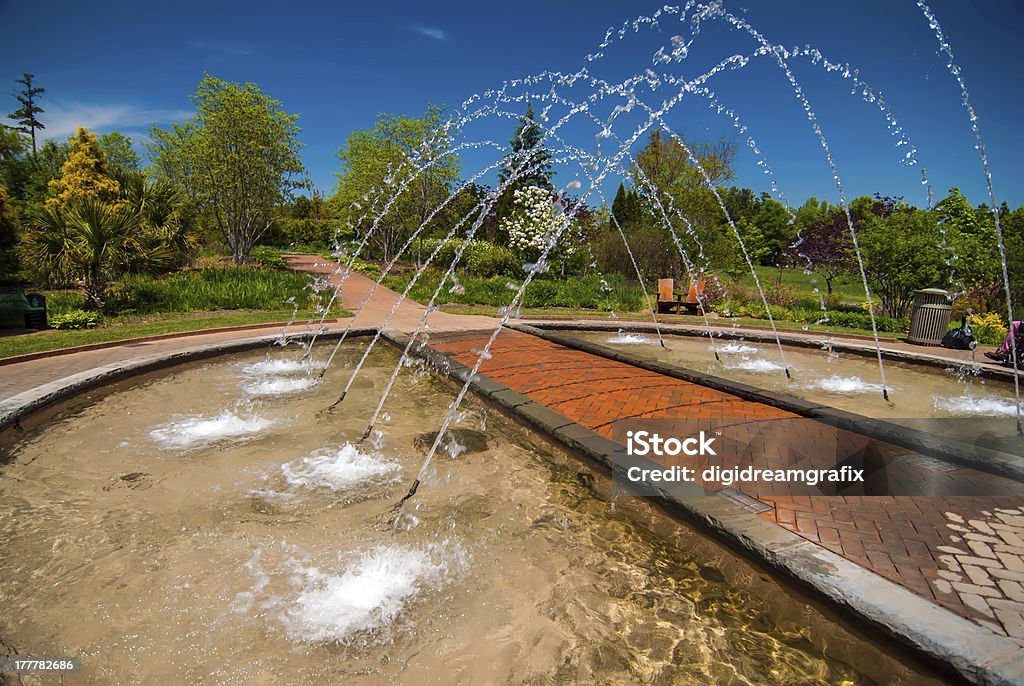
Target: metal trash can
929,318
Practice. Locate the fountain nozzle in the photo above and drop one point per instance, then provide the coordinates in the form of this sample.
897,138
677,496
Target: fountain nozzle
788,376
885,394
366,434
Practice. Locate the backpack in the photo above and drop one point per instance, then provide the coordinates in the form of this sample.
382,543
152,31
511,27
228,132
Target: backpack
959,339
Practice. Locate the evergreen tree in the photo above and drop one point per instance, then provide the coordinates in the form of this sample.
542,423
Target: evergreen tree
83,174
529,157
619,205
627,208
26,114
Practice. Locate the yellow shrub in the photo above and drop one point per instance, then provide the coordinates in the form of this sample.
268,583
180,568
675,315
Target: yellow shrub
988,328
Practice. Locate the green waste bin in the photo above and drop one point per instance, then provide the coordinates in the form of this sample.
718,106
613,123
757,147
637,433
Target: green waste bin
929,317
19,310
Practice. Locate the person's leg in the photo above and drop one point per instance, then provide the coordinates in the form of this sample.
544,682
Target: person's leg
1004,350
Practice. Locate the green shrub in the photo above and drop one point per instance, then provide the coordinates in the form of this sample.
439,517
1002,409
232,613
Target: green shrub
269,258
541,294
75,319
862,320
988,328
485,259
286,232
61,302
224,288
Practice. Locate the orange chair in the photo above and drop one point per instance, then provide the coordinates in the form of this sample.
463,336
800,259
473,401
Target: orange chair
693,296
666,295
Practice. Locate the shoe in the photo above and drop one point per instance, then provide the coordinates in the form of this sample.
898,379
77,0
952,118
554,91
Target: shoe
996,356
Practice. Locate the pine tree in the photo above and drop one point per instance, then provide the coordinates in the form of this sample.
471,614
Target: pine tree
528,155
26,114
619,205
83,174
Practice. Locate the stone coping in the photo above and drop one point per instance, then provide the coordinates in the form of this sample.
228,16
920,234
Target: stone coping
810,339
15,408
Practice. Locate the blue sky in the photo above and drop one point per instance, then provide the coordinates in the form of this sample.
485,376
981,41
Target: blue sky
124,66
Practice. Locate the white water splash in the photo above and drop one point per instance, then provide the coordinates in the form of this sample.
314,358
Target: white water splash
280,386
734,348
339,469
624,338
968,405
759,366
192,432
281,367
374,589
845,385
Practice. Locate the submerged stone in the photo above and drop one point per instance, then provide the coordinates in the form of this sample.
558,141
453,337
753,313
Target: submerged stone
473,441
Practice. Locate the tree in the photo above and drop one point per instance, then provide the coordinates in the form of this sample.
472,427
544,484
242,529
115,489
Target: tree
403,161
683,179
826,248
236,159
528,155
901,254
83,174
118,150
26,115
540,222
88,242
971,238
626,208
9,264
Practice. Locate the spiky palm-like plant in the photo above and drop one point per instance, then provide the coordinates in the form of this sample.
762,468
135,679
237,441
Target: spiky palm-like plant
90,243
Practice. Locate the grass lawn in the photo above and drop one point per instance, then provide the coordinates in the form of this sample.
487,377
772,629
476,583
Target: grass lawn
137,327
848,286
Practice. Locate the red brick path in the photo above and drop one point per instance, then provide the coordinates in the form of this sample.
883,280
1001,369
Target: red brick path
964,553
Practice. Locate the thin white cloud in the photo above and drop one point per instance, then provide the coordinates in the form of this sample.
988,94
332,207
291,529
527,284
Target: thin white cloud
61,119
431,32
223,49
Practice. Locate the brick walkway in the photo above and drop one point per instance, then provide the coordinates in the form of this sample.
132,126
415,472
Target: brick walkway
965,553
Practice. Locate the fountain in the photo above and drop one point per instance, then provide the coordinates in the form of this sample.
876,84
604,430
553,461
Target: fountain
250,549
239,534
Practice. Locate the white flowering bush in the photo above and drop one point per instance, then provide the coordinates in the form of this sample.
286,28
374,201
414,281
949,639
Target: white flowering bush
535,223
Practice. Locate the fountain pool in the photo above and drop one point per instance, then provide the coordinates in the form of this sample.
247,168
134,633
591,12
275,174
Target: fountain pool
180,528
844,380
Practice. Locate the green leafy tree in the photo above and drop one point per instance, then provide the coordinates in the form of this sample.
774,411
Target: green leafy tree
901,253
404,161
83,174
9,264
27,115
237,159
681,178
971,236
119,152
776,230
